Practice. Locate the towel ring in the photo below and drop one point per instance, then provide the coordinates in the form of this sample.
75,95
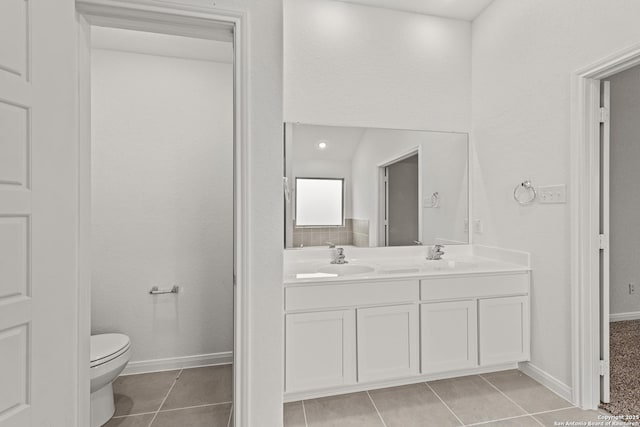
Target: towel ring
523,189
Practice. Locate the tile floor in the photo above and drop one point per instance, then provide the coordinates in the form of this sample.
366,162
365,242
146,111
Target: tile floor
508,398
195,397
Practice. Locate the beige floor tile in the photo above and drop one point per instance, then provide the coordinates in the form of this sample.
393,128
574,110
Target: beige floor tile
412,405
130,421
526,421
526,392
136,394
473,400
203,416
294,415
348,410
573,414
201,386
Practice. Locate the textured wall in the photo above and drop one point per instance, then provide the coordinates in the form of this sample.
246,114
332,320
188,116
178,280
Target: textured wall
162,208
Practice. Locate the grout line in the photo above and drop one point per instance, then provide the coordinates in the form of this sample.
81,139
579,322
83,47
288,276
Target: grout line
552,410
230,416
376,408
165,398
195,406
132,415
304,412
481,423
443,402
508,398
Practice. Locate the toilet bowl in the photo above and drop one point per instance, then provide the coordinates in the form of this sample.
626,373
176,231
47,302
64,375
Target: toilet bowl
110,353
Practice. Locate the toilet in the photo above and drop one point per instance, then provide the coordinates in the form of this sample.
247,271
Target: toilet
110,353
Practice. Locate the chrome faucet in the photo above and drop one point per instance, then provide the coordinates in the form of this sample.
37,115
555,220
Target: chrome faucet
339,259
435,252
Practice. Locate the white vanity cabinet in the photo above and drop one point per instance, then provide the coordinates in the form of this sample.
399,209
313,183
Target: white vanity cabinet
388,342
320,350
345,336
504,329
449,332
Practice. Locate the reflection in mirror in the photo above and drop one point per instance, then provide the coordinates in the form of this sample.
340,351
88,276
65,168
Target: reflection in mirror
375,187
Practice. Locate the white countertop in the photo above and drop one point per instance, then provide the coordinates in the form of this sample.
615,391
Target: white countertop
313,265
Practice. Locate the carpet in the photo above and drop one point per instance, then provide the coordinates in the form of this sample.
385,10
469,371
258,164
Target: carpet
625,368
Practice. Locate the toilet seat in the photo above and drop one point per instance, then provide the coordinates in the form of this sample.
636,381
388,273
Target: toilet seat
106,347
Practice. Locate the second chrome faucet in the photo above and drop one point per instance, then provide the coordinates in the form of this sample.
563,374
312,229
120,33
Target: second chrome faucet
339,259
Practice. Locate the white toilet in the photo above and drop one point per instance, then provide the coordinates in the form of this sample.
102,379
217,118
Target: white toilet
110,353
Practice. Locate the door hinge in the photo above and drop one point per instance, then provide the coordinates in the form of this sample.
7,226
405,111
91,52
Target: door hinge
604,115
603,241
604,367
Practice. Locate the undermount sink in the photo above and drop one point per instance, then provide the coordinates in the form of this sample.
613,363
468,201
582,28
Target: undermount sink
345,269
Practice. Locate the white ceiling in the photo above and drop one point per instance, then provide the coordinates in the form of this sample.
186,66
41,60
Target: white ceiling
161,44
467,10
342,142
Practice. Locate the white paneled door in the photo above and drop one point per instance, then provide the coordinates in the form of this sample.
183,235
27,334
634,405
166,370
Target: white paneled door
38,214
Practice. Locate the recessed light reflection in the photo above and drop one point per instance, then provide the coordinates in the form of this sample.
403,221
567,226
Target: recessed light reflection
322,145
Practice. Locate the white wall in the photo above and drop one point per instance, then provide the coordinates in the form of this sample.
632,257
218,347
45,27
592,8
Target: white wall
347,64
162,202
444,169
524,53
625,197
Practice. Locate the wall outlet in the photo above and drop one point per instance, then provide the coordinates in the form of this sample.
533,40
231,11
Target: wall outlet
632,289
477,226
552,194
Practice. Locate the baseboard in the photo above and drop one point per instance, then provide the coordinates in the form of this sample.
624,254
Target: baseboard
156,365
619,317
547,380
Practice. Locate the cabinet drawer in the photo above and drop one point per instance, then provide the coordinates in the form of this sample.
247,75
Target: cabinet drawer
444,288
350,294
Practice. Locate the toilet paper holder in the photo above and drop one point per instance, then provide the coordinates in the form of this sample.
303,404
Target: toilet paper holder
157,291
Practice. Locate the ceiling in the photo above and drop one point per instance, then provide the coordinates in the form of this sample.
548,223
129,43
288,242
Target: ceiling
467,10
342,142
161,44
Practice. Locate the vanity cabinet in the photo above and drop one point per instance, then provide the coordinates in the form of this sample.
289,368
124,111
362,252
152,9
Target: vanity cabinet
320,350
504,330
350,336
449,332
388,342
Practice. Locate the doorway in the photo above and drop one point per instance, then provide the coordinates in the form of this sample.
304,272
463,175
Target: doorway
620,334
590,224
205,27
399,201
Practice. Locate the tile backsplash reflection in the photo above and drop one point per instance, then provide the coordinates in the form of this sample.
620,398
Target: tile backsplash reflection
354,232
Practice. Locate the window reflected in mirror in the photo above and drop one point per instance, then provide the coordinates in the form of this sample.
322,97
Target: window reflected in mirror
319,202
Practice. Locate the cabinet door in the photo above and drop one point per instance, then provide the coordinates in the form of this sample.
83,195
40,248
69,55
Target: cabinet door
449,333
387,342
320,350
504,330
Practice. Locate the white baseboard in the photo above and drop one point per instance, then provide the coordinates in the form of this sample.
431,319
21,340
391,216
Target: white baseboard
619,317
157,365
547,380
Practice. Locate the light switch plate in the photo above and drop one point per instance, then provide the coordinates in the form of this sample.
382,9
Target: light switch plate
552,194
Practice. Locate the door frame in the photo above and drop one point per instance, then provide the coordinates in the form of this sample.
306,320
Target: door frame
192,21
584,222
382,196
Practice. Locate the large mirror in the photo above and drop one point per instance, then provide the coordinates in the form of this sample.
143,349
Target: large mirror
375,187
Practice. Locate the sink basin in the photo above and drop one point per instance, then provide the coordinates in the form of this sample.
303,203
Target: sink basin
345,269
